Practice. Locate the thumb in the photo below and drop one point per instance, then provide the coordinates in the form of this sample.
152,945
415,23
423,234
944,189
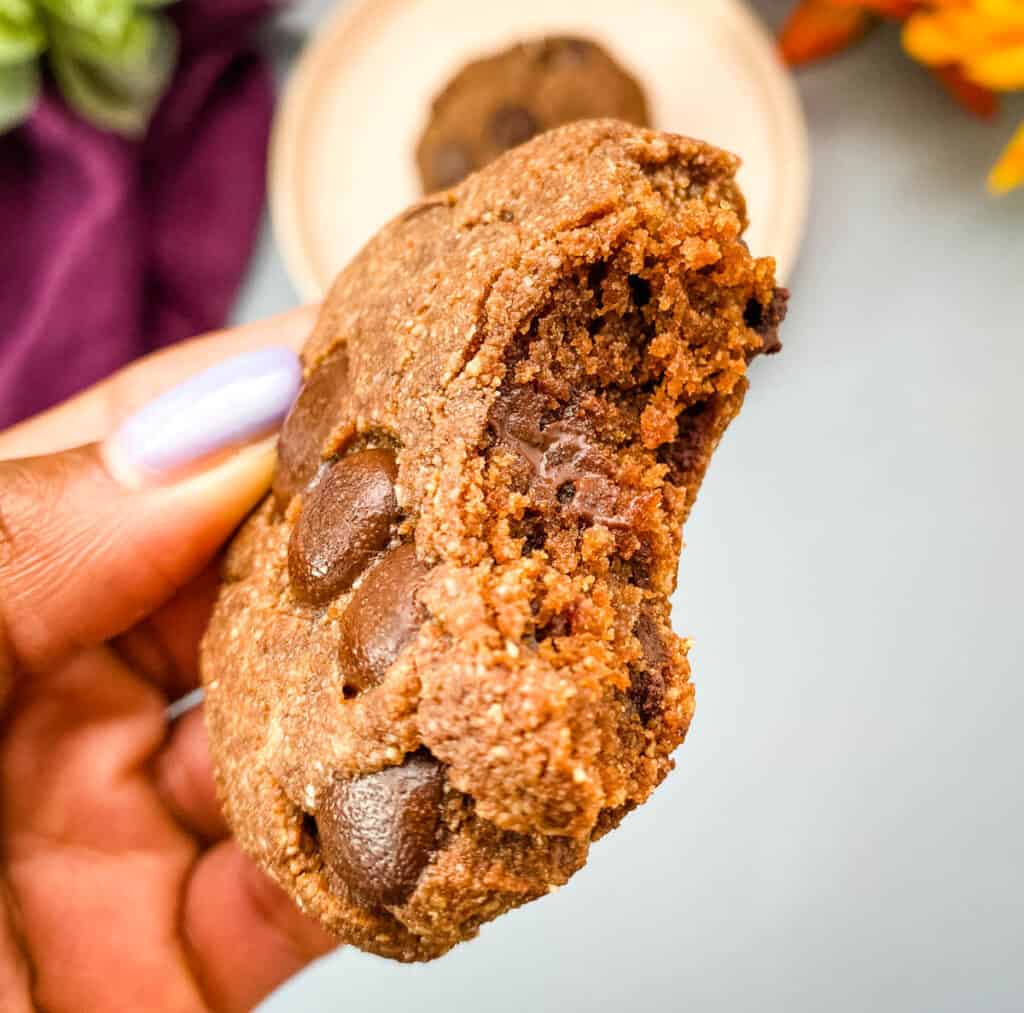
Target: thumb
93,539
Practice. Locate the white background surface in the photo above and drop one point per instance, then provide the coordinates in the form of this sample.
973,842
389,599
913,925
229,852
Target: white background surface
845,829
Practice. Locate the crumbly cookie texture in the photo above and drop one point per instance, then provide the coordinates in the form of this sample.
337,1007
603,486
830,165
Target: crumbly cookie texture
441,664
502,100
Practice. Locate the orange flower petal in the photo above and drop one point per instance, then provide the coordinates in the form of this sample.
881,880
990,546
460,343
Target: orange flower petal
943,36
819,28
973,97
1008,11
1002,69
1008,172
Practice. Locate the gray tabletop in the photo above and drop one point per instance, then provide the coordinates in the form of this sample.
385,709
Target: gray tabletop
845,828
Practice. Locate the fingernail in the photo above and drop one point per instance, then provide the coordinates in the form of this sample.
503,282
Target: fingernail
228,405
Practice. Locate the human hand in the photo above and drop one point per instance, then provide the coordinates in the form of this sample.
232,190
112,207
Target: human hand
123,889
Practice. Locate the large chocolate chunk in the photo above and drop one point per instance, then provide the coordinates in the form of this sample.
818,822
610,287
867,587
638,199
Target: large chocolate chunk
346,519
382,617
377,832
308,425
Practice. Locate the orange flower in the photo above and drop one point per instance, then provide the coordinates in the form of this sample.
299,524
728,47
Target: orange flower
818,28
984,41
974,47
985,38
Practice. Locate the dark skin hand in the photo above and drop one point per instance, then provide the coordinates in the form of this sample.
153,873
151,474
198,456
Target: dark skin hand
123,889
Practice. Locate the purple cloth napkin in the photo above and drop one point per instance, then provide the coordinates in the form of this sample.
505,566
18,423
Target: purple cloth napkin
109,249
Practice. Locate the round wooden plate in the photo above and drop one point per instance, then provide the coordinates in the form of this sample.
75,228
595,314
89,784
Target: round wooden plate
341,160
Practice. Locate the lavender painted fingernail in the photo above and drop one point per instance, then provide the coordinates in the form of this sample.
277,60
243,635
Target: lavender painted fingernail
228,405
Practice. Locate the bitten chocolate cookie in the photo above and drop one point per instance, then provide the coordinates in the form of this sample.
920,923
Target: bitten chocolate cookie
441,664
501,101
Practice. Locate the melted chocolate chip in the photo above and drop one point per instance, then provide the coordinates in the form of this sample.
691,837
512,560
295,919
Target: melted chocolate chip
569,468
647,684
345,521
516,420
450,164
766,319
308,425
382,617
378,832
512,125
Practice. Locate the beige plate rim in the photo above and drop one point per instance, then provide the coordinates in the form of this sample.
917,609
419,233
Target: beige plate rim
286,142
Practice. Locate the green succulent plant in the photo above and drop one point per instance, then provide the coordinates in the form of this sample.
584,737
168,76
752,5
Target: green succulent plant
111,59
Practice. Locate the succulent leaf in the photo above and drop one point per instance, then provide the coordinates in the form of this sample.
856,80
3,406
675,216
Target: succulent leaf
116,86
19,89
22,34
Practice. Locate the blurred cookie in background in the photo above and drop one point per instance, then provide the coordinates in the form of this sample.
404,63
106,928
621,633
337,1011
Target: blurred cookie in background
503,100
380,78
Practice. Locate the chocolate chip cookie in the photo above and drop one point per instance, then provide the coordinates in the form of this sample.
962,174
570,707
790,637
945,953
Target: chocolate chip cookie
495,103
441,664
